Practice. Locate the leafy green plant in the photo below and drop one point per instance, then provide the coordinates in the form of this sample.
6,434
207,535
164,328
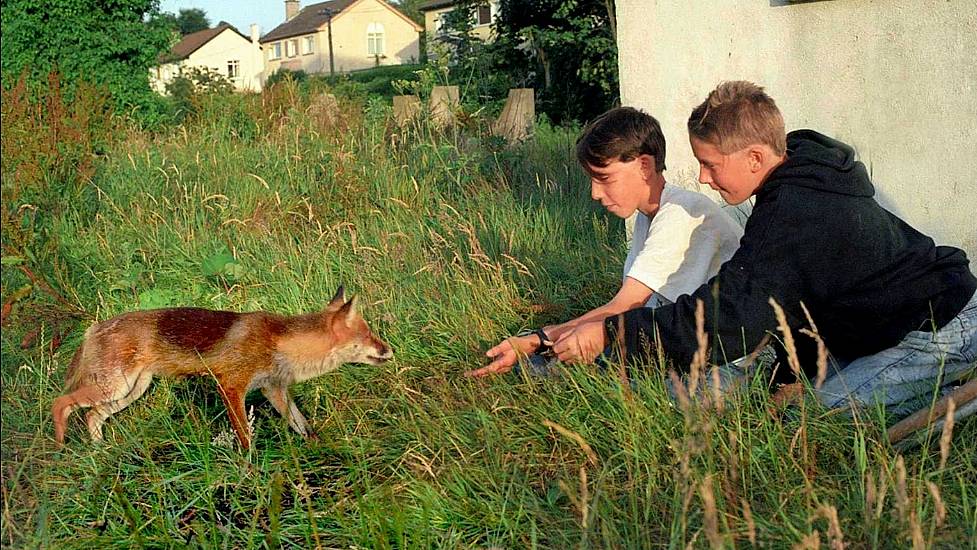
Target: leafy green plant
223,266
283,74
191,85
109,44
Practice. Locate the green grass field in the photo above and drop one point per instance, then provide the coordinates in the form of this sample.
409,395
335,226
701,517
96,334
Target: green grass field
452,242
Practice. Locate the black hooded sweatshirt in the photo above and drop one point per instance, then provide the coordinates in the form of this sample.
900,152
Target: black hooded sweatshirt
816,236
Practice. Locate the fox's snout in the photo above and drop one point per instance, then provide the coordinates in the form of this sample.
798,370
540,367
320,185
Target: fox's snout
380,352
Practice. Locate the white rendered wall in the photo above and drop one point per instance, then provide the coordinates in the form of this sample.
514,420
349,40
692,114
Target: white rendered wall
227,46
896,79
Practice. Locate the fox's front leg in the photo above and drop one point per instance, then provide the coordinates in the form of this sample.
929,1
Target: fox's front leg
234,401
283,403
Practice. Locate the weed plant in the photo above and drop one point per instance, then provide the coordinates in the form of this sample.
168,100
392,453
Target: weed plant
453,241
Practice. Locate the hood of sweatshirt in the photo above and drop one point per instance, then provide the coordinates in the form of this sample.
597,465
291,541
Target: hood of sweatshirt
819,162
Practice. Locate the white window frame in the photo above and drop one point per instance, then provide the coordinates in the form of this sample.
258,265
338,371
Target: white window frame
375,39
292,47
234,69
275,51
308,45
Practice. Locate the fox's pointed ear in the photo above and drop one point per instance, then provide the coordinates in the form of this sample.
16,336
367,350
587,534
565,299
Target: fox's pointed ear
353,310
339,299
349,311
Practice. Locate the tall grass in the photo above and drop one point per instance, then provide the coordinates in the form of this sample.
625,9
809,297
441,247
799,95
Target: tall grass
453,241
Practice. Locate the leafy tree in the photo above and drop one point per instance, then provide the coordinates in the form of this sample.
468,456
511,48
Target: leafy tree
566,49
412,9
189,21
111,44
481,71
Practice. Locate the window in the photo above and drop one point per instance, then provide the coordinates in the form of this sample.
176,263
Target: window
233,68
276,51
292,48
308,44
484,15
374,39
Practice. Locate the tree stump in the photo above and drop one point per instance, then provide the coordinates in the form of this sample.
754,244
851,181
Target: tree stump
324,109
518,116
406,108
444,103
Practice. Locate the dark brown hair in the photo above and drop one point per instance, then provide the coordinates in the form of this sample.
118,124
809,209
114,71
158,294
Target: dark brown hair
621,134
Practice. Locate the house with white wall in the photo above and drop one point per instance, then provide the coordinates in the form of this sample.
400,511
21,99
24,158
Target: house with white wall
435,12
341,36
223,49
896,79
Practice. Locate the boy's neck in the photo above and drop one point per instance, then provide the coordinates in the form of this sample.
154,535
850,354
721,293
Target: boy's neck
773,163
656,186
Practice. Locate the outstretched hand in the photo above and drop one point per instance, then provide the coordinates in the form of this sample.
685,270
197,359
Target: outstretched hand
505,354
582,344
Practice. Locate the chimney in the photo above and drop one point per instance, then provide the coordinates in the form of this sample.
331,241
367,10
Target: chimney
291,9
255,33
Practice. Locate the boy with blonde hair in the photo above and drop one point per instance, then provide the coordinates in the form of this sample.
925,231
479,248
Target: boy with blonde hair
897,313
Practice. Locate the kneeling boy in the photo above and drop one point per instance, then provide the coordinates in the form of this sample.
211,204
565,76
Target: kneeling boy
680,237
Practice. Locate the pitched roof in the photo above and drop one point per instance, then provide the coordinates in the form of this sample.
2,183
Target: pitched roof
313,17
436,4
306,21
194,41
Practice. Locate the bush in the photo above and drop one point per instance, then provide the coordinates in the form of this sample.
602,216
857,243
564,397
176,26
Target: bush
112,44
283,74
190,85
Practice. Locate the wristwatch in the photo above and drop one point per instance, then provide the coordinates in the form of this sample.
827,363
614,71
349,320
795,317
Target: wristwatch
543,348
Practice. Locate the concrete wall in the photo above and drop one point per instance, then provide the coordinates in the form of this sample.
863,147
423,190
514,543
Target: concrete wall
349,42
896,79
216,53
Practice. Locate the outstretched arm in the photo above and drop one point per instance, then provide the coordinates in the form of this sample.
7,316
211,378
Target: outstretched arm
505,354
633,294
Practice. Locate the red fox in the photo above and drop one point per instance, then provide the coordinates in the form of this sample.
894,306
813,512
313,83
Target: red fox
242,351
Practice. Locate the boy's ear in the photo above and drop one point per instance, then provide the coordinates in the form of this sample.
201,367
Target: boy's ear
756,155
647,165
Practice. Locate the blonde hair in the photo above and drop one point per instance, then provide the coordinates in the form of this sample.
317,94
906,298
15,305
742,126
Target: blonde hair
738,114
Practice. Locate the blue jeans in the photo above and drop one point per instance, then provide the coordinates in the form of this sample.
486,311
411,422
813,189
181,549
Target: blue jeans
903,378
906,377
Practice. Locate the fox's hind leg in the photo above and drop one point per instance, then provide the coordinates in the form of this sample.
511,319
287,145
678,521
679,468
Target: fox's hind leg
283,403
85,396
101,412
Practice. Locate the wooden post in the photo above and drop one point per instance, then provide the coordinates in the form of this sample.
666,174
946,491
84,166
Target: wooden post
444,102
962,397
518,116
406,108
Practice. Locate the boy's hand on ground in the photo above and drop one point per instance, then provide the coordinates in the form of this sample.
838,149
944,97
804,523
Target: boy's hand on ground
582,344
505,354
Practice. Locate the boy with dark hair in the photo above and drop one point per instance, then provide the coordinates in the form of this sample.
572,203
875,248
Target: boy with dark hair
680,237
897,313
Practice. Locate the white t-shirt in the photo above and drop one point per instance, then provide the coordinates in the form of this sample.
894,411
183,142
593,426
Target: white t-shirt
683,245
